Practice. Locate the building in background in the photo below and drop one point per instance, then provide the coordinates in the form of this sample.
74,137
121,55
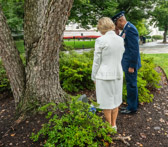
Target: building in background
73,29
155,30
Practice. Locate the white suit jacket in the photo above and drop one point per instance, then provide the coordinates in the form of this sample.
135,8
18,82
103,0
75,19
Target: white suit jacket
108,53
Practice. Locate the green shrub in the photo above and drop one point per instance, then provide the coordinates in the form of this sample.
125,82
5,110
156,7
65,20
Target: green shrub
148,37
73,125
75,71
4,82
75,75
148,72
147,79
157,37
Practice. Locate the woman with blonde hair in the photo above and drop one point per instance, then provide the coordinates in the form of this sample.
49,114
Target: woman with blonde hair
107,72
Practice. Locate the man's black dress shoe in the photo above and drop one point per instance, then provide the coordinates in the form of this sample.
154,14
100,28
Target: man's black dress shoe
127,112
123,108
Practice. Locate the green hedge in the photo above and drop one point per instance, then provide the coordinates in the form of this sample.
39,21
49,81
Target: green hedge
75,70
148,37
157,37
4,82
75,75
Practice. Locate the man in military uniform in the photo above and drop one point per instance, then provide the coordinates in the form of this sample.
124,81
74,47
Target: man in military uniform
131,61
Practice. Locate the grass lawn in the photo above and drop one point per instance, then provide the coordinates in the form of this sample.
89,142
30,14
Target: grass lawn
92,39
20,46
161,60
80,44
77,44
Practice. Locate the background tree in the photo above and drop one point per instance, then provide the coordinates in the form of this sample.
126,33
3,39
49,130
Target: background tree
136,10
14,12
87,12
142,28
160,17
44,24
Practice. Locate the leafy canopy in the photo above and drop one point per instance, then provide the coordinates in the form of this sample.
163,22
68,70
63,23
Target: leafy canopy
160,14
87,12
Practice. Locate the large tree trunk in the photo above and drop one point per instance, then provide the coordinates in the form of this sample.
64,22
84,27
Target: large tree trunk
11,60
165,34
44,24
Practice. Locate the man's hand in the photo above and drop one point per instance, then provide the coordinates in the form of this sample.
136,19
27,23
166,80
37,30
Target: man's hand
131,70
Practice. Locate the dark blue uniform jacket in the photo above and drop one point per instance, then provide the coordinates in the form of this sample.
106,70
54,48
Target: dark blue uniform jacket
131,56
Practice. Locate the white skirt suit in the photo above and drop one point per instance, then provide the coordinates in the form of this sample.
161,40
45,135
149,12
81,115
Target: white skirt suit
107,70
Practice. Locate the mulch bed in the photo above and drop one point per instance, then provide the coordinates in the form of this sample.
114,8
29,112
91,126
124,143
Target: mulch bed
148,127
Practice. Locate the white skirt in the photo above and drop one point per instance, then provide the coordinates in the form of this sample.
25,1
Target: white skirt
109,93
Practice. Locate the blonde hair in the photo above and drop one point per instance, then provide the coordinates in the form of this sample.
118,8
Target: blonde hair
105,24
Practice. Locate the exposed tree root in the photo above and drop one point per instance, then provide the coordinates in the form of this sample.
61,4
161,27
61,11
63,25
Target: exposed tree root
123,139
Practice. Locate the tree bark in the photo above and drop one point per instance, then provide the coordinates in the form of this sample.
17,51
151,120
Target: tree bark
165,34
44,24
11,60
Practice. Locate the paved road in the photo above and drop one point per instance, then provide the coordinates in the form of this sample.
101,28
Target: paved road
147,48
154,48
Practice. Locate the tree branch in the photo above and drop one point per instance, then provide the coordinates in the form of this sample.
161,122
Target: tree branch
11,60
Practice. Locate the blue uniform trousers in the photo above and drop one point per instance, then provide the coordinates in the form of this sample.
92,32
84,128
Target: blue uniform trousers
132,90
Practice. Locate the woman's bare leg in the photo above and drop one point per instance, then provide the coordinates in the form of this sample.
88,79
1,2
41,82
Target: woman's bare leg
114,114
107,113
